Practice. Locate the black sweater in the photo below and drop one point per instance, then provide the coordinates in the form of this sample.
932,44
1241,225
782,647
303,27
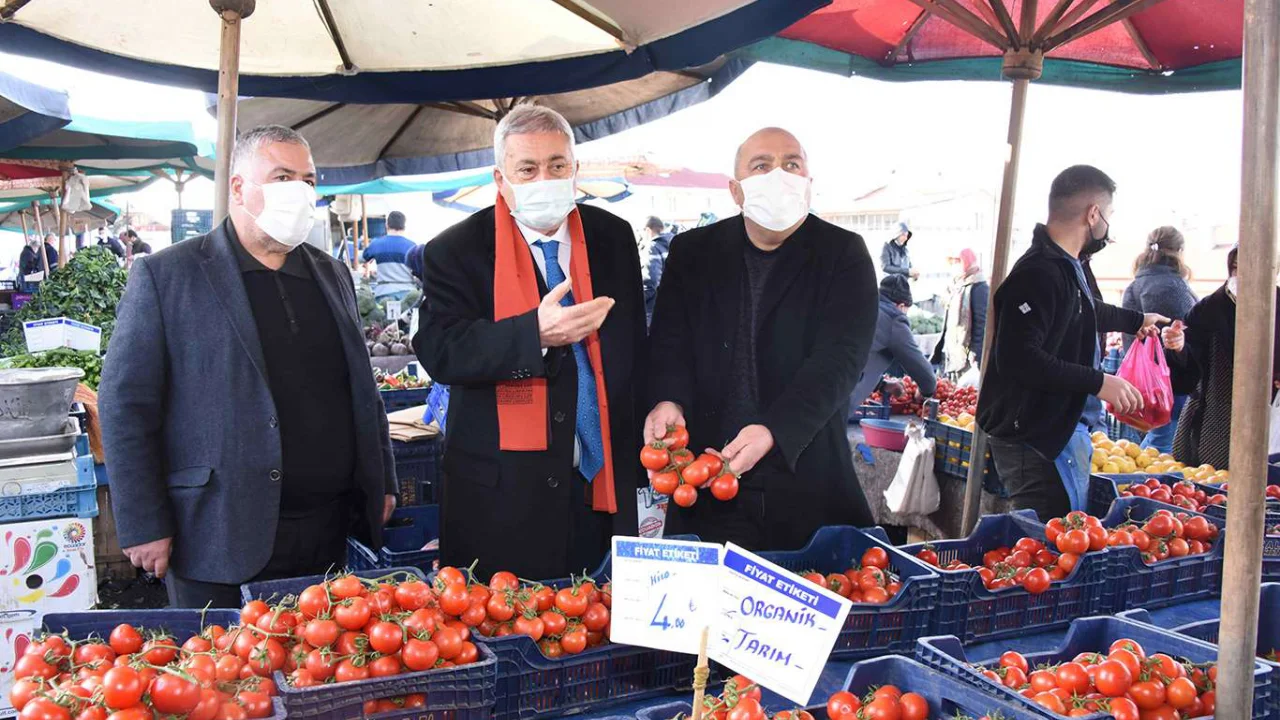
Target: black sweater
1041,369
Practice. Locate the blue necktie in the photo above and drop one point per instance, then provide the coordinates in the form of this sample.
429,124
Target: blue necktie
588,416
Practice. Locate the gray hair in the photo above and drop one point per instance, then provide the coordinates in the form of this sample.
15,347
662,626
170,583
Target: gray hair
251,141
525,120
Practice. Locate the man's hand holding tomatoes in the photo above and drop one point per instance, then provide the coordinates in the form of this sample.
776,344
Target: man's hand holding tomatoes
152,557
751,445
664,415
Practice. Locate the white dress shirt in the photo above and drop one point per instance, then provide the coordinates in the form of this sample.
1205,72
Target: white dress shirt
565,253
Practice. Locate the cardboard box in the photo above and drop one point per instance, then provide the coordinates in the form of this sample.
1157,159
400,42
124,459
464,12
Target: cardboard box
61,332
48,566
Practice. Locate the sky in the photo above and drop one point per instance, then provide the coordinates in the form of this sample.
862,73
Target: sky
1173,157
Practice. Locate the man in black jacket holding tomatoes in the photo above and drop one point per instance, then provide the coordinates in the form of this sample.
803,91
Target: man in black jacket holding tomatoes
1043,389
761,330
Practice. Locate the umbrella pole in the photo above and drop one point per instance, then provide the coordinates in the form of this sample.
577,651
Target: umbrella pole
62,233
1022,67
44,254
1251,383
364,222
232,12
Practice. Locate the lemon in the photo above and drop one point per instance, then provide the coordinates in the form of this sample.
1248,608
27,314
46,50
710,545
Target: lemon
1133,451
1143,461
1110,468
1106,445
1098,437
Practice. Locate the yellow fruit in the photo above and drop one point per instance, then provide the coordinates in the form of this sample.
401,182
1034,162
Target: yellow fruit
1167,457
1099,457
1143,461
1110,468
1188,473
966,418
1098,437
1133,450
1224,474
1106,445
1128,466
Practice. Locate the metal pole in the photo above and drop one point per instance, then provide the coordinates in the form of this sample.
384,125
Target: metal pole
62,232
999,268
1251,386
44,254
364,222
232,12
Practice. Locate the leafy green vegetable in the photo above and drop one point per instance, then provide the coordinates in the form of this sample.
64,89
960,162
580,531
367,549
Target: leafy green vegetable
86,360
88,289
925,324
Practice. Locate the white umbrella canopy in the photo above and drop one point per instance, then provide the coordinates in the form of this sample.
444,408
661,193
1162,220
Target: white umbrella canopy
395,50
354,143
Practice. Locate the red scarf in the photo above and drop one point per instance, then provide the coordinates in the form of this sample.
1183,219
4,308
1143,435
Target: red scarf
522,404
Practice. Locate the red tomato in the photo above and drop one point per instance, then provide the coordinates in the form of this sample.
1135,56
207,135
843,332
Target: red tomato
875,557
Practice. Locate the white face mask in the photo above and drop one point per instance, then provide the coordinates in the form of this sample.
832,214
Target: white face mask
543,204
776,200
1233,285
288,211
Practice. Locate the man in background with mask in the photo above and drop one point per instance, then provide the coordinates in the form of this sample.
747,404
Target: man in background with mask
245,434
1043,390
762,328
533,314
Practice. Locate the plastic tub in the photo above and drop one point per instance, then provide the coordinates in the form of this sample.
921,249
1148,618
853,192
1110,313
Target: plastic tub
886,434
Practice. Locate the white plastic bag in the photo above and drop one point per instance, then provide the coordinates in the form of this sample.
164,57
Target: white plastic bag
970,378
77,196
914,490
1274,445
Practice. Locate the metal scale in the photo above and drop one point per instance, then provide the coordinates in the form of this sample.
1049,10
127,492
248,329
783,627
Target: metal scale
41,464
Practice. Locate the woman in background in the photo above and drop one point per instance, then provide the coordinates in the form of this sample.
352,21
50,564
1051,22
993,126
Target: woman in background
1160,286
1203,357
960,346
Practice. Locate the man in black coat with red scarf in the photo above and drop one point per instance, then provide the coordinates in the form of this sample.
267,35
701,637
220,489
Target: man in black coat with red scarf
761,330
533,314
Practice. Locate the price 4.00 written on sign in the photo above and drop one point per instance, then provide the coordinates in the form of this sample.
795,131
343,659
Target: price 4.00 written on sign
664,592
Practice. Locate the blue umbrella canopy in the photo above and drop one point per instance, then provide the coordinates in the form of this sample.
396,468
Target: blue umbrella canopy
396,51
88,138
29,111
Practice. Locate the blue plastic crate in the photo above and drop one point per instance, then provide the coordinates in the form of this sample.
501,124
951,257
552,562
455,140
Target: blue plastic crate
1094,634
874,411
947,696
1104,489
870,630
395,400
530,685
1220,511
1134,584
968,610
418,470
951,453
1268,634
181,624
276,590
402,540
79,500
457,693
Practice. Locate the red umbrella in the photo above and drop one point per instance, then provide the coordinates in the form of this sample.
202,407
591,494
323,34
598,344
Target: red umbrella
1105,42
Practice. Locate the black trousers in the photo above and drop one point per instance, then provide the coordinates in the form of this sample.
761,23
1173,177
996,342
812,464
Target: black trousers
307,543
1032,481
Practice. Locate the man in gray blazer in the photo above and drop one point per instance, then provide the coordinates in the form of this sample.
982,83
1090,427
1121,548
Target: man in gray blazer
243,431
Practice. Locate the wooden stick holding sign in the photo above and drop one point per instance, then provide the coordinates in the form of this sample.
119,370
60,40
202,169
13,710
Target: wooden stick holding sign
700,674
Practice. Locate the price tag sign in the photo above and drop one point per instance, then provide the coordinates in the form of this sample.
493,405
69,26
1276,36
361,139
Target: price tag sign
664,592
774,627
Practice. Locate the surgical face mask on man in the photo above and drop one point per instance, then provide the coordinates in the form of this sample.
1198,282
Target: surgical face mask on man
776,200
543,204
288,211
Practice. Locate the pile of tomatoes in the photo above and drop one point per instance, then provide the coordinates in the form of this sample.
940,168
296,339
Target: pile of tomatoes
1183,494
870,581
1162,536
562,622
956,401
1273,494
1028,564
740,700
674,471
137,676
907,403
1124,681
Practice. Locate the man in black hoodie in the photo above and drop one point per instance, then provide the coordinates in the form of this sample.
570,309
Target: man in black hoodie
1044,388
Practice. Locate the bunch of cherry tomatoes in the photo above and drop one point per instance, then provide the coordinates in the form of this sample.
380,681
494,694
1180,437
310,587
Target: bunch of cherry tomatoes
740,700
137,675
1272,493
1123,681
675,472
1183,494
562,622
1028,564
1162,536
870,581
955,401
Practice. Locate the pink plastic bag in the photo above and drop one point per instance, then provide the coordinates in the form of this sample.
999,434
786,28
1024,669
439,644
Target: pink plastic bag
1145,368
